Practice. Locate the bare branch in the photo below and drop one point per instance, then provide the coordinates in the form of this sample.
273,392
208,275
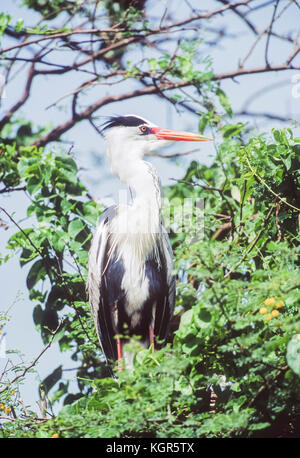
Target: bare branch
22,100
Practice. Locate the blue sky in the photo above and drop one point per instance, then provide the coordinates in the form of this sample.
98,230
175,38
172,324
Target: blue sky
21,333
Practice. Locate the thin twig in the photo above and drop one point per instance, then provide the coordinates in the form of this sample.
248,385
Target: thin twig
23,232
269,33
3,190
53,334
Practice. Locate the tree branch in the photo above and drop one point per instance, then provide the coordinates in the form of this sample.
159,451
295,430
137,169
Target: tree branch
22,100
56,133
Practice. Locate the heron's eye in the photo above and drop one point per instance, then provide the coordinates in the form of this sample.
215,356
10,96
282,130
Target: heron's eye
145,130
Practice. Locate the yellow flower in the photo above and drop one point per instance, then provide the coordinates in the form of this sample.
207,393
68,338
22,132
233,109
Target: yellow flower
279,304
268,317
54,436
13,392
149,409
2,406
275,312
7,410
269,301
263,310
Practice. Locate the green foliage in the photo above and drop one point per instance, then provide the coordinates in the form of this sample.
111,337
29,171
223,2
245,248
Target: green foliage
186,66
5,20
162,398
55,244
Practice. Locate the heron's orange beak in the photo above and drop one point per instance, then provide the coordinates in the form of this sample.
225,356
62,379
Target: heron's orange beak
178,135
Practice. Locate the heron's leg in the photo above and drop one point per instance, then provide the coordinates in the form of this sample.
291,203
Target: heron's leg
151,337
120,353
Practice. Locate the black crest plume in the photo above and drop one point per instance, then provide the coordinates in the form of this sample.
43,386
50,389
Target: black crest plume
123,121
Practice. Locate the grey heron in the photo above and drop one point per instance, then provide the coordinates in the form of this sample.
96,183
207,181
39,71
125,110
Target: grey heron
131,284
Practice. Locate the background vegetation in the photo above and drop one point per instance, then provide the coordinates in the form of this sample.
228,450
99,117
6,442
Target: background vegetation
232,364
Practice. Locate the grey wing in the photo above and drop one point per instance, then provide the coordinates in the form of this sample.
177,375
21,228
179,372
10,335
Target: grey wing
96,283
170,270
164,316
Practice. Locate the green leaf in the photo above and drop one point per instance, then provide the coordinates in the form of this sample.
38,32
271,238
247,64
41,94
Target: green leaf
287,162
67,162
75,227
33,185
153,64
186,321
202,123
202,318
293,354
59,240
235,192
19,25
66,206
38,314
276,135
36,273
224,101
27,255
231,130
5,20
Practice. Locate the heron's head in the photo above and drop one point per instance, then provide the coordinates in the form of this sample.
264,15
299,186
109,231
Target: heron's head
132,136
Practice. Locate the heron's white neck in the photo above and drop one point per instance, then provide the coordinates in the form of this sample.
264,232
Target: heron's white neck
138,224
128,164
144,213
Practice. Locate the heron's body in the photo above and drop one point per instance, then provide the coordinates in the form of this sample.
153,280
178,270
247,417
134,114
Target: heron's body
130,281
136,290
